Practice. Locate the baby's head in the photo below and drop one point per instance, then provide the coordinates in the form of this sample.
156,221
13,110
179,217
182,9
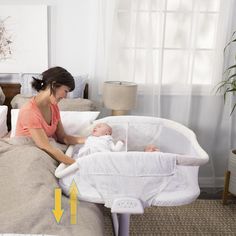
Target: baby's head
102,129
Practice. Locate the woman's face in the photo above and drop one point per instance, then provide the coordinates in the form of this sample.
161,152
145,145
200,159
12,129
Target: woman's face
61,92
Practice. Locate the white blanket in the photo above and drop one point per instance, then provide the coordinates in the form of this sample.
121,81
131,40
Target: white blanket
122,174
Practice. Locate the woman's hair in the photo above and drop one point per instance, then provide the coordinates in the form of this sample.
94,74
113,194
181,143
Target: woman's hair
54,78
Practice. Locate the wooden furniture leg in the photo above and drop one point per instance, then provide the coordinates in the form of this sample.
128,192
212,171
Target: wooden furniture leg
226,187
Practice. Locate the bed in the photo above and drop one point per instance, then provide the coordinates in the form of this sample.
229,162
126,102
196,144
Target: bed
27,185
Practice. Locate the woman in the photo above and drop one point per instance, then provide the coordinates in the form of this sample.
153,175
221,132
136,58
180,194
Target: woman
40,117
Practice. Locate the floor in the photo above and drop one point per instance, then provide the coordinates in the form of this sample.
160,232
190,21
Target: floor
205,216
211,193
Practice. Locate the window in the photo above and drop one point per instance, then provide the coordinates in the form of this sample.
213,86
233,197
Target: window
167,41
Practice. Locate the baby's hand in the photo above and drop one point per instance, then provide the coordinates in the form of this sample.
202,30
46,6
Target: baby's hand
151,148
123,141
120,142
119,145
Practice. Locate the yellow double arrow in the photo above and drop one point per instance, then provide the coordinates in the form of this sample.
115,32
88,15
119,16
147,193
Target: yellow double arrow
58,212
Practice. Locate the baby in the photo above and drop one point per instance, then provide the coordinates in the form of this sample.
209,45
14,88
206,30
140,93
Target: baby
100,141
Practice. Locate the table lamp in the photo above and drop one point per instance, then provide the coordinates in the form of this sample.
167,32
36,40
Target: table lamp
119,96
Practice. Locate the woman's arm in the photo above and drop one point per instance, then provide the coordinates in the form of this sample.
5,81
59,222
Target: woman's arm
62,137
41,140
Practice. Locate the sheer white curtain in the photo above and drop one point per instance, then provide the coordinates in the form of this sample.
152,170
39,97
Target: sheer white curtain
173,49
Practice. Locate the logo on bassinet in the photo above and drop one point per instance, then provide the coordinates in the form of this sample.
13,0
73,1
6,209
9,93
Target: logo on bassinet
58,211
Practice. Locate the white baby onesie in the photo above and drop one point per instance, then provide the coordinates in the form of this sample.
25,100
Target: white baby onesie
103,143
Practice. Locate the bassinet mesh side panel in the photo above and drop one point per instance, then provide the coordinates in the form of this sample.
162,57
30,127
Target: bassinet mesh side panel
141,134
173,141
138,131
136,134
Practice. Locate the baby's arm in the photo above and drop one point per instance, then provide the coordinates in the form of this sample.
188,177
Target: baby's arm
117,147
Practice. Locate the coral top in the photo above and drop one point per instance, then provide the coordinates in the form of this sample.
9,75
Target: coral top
31,117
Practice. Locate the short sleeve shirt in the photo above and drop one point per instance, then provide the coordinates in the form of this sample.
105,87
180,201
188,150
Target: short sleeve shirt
30,117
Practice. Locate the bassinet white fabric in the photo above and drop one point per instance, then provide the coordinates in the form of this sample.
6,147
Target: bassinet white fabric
128,174
169,136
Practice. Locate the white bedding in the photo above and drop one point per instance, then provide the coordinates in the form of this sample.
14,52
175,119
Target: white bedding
3,121
2,96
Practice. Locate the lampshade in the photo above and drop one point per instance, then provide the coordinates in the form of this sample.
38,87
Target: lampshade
120,96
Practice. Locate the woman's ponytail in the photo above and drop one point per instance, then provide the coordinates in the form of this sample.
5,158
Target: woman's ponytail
37,84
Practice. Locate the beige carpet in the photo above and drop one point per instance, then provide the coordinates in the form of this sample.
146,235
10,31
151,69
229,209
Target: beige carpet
203,217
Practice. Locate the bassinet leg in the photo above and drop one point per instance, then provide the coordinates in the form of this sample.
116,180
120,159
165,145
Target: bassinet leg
121,224
124,224
226,187
115,223
121,210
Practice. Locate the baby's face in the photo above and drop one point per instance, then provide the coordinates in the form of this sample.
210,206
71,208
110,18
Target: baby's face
101,129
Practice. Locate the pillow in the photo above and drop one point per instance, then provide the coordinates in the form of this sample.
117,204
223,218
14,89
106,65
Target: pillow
19,100
26,88
67,104
2,96
80,82
14,115
3,121
74,122
76,104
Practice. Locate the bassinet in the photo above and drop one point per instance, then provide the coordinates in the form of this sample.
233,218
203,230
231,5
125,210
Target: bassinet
170,137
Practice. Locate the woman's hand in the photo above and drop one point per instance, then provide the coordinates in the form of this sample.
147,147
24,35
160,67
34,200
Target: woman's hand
81,140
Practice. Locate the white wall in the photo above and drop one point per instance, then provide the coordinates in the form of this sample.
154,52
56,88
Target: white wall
70,32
